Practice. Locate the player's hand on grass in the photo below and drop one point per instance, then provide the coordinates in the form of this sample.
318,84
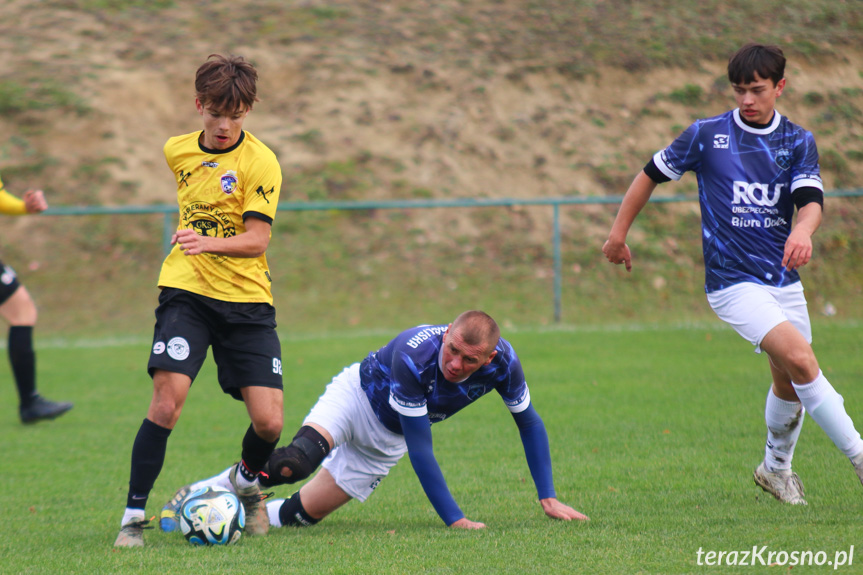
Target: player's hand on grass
465,523
557,510
617,253
34,201
191,244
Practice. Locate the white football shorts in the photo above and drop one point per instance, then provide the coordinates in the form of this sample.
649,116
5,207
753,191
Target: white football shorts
753,309
364,450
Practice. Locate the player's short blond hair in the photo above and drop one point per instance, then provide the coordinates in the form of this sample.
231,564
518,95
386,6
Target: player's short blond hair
476,328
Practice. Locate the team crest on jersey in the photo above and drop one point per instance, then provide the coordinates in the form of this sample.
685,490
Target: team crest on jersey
475,391
229,182
208,220
720,141
783,158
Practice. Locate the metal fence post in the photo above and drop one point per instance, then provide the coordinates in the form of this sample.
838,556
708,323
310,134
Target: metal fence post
557,264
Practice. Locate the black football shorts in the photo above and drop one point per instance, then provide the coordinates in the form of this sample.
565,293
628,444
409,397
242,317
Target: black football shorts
243,336
8,282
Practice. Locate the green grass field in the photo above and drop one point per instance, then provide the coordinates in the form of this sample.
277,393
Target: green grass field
654,434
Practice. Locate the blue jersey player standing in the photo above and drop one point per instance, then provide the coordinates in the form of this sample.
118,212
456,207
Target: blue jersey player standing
754,166
375,411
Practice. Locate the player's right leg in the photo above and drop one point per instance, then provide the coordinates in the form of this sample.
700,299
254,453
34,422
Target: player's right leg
784,415
148,452
181,339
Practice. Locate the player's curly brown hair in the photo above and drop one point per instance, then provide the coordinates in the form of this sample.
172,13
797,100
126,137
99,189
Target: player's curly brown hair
227,83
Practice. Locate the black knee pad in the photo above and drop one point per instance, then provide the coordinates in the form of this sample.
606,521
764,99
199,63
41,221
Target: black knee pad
302,457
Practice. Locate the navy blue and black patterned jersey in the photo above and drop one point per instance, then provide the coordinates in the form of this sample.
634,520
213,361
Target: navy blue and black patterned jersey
404,377
746,179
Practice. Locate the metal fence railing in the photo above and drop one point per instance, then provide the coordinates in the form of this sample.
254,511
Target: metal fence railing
169,212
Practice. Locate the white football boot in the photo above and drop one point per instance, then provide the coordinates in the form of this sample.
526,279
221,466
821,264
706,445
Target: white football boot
784,484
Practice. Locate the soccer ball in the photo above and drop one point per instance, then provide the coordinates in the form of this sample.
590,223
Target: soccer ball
212,516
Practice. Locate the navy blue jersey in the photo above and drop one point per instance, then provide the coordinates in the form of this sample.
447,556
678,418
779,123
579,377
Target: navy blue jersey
746,179
404,377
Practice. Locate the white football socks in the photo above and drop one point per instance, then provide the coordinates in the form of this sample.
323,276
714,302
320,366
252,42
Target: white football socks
784,421
273,506
131,514
222,480
827,408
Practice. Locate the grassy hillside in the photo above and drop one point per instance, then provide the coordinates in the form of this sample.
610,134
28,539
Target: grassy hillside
399,99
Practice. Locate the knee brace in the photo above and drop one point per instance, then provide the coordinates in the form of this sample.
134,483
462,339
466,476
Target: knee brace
301,457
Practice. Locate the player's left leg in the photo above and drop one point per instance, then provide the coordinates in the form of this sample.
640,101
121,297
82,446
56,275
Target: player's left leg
319,497
264,405
791,352
248,356
19,311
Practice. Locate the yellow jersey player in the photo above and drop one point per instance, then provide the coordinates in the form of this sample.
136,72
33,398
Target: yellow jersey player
215,290
19,311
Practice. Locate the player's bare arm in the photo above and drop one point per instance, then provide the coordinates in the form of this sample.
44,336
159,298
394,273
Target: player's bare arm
249,244
557,510
798,246
615,249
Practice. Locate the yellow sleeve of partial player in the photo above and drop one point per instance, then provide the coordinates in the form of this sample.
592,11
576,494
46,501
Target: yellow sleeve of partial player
10,205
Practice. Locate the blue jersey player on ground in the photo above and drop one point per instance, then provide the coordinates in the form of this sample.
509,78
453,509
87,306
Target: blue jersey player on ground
754,166
375,411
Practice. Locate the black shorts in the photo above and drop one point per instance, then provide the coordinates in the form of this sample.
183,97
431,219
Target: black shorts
8,282
243,336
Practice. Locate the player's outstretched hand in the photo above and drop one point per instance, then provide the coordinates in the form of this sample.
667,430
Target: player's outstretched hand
557,510
617,253
34,201
465,523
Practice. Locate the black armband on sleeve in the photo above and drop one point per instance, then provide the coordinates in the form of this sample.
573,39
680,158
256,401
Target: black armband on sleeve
654,173
807,195
259,216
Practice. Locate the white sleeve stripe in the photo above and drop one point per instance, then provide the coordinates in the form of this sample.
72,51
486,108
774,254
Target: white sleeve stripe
408,411
807,183
521,405
663,167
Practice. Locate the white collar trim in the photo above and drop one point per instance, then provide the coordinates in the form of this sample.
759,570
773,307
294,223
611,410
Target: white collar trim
760,131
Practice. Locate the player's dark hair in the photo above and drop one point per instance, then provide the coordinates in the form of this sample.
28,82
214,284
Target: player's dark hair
767,60
227,83
477,328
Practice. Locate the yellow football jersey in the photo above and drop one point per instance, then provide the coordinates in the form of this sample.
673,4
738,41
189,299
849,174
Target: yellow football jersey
215,189
9,204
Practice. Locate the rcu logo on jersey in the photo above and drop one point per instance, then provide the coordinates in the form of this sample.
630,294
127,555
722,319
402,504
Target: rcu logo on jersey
720,141
229,182
758,194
